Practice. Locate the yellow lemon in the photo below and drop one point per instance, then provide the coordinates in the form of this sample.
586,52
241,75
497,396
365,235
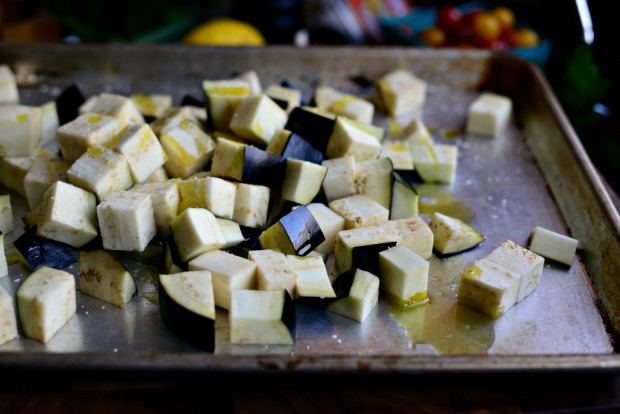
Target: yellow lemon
225,32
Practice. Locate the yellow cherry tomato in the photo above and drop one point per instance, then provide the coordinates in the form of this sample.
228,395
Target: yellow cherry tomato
433,36
524,37
505,16
486,27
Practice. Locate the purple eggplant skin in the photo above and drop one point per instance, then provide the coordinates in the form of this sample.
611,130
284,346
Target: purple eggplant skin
342,287
299,148
263,167
189,100
314,128
250,242
68,104
196,330
280,102
302,230
39,251
170,249
289,314
367,257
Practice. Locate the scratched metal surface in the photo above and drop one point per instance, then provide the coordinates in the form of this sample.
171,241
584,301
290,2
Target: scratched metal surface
561,324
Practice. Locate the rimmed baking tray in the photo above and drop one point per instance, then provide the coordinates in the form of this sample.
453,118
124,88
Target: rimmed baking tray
535,174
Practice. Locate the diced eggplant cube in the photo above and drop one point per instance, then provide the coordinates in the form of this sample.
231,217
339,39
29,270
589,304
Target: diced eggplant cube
366,257
344,104
36,251
126,221
416,132
46,300
401,92
120,107
253,81
251,205
222,97
312,278
228,159
142,149
360,211
41,176
262,167
165,199
489,114
351,246
68,104
350,137
68,214
152,105
85,131
105,278
413,233
4,269
229,272
299,148
330,223
340,180
404,276
489,287
8,321
215,194
172,118
88,105
188,148
374,180
296,233
257,119
187,307
49,122
171,260
13,170
453,235
273,271
289,97
21,127
343,282
405,199
196,231
302,181
6,212
398,151
311,126
8,85
159,176
265,317
278,141
281,103
435,163
232,232
553,245
525,263
102,171
361,300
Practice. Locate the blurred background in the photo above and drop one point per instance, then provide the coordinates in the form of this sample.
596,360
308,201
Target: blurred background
573,42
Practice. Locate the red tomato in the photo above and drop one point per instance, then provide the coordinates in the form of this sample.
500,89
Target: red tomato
448,18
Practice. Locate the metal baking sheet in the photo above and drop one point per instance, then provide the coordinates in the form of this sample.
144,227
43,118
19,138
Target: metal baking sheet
536,174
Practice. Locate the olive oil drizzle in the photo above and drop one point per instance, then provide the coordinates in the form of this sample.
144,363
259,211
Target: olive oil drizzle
449,327
436,198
